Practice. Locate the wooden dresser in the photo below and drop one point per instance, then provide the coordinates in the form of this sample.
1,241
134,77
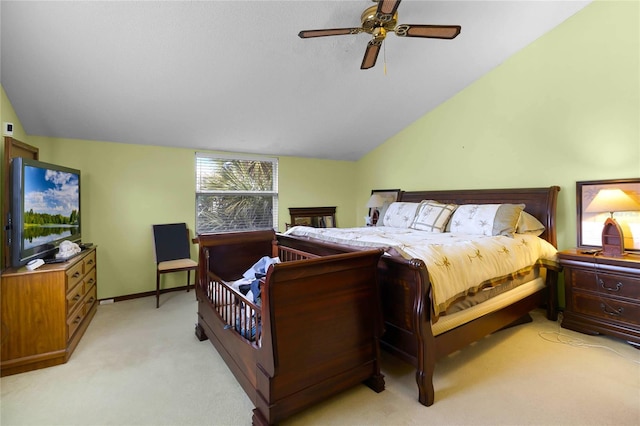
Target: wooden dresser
45,312
602,294
318,217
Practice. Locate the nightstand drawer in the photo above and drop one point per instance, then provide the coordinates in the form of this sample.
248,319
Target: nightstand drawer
606,308
609,284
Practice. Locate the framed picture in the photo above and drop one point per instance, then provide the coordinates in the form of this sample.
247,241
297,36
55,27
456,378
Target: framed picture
379,198
303,221
591,218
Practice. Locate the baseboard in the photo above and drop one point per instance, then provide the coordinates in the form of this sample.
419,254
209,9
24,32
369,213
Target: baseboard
146,294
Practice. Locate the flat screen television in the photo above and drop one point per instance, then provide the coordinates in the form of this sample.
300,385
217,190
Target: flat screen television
45,209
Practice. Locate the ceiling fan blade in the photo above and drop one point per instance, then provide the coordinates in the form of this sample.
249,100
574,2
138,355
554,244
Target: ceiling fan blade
371,54
387,8
328,32
428,31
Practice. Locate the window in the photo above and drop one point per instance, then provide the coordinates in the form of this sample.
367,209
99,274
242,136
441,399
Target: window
236,193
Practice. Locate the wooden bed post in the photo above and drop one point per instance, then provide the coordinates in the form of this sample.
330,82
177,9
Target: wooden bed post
424,334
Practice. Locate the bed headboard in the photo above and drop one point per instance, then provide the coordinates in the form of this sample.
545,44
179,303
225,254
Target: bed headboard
540,202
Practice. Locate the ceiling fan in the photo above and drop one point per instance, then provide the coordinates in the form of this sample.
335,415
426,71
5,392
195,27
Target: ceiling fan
378,20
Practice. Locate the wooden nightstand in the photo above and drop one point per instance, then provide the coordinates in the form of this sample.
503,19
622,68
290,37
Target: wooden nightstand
602,294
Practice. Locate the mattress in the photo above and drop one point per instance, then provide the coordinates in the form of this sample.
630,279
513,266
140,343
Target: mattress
449,322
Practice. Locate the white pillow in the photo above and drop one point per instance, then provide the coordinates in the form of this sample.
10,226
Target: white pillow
528,224
400,214
433,216
382,212
486,219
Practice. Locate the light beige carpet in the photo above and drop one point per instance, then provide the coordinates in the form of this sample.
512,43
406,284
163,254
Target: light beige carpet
138,365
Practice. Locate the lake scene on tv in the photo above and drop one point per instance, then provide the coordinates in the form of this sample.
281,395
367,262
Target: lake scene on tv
51,206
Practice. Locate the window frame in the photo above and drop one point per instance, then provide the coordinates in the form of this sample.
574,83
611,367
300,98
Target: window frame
239,157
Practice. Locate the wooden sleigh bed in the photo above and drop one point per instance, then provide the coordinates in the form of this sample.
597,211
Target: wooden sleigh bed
315,333
405,288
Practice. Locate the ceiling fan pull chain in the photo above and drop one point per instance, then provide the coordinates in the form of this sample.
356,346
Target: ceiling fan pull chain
384,54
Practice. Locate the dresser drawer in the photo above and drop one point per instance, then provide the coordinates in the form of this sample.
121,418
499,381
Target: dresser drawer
608,284
77,293
75,296
74,275
75,319
90,298
606,308
89,262
89,279
83,308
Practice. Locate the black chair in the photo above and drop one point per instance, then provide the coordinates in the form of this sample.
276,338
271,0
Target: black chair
173,252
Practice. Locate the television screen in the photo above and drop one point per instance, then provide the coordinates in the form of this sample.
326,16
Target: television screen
45,208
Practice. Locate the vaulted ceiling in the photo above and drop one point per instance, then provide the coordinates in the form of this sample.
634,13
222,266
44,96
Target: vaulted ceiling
235,76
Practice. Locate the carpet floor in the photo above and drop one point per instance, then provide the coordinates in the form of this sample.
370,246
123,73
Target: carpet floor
138,365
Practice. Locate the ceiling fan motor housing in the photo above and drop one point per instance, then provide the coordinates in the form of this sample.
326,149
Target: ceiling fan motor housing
372,20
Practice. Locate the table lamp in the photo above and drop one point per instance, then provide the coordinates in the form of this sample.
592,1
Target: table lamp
375,202
612,200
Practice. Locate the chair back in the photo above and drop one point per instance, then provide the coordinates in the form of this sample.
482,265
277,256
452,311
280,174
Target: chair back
171,242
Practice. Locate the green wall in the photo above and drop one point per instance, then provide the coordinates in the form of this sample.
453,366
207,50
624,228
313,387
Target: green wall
564,109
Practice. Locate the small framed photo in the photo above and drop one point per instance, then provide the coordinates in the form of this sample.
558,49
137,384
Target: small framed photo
591,214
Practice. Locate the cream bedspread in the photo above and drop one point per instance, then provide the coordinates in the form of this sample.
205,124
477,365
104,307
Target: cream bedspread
458,264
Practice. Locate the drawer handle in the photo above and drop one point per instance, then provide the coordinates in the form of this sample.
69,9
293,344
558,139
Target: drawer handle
90,281
618,286
76,297
76,275
614,313
77,320
90,262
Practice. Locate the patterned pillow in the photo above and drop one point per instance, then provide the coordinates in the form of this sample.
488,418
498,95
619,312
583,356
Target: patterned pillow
433,216
486,219
400,214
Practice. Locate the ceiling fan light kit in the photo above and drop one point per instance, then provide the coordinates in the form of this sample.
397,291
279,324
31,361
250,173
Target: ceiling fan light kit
378,20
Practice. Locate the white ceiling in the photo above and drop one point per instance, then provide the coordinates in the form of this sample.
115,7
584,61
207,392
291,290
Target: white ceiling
235,76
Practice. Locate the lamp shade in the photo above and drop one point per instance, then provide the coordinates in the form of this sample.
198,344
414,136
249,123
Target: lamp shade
612,200
376,200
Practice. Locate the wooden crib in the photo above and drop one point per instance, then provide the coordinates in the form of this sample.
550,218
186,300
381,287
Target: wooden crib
316,332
